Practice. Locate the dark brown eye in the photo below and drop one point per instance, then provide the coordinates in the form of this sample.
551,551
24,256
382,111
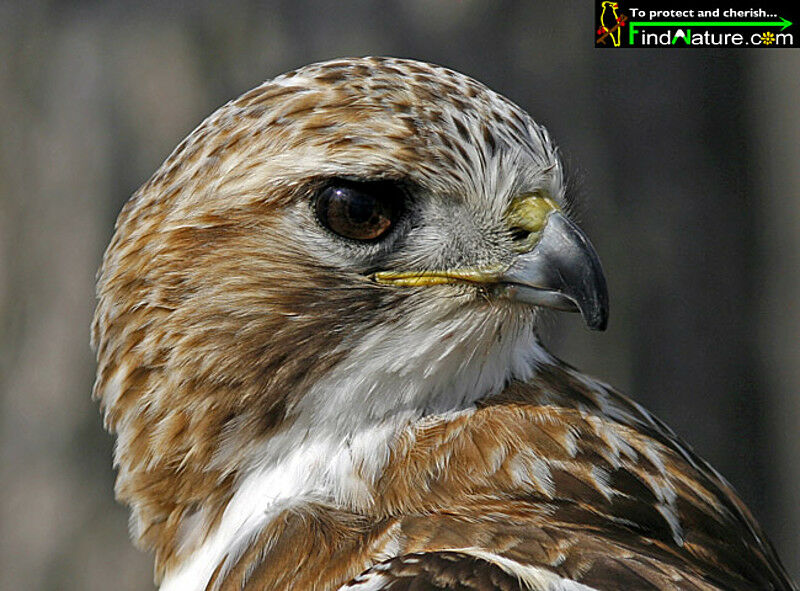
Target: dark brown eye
359,211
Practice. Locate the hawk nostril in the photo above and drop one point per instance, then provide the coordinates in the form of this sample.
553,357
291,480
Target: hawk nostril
519,234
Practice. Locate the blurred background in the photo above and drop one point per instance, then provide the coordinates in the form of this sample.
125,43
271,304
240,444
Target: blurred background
685,164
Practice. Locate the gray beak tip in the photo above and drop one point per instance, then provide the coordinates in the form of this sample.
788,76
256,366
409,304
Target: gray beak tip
598,320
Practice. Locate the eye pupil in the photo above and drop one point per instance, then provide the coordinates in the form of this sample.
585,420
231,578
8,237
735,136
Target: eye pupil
361,208
359,211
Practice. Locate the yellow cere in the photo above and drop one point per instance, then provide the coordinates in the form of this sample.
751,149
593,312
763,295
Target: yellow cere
530,212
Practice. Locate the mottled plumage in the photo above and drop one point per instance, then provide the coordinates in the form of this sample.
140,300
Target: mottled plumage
316,343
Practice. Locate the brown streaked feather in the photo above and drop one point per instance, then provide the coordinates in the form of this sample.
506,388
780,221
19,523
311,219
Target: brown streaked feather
727,535
604,533
717,541
436,571
456,570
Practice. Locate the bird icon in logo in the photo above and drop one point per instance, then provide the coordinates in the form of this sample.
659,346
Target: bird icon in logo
610,22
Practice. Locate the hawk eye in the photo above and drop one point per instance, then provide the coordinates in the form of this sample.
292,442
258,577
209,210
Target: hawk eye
359,210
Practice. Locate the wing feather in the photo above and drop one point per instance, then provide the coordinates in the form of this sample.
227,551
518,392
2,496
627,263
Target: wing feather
454,571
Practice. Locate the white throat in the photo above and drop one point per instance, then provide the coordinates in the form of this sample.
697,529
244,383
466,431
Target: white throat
342,436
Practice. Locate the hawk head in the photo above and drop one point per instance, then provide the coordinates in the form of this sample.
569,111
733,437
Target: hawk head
344,249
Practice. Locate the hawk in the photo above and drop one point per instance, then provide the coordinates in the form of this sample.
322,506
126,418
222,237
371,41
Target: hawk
316,336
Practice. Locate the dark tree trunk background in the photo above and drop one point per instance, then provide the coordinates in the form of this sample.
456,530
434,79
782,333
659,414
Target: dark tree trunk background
685,166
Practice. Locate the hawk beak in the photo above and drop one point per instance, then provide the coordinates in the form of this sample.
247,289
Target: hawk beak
562,271
556,265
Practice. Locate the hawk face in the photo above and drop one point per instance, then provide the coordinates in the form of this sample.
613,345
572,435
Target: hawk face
339,251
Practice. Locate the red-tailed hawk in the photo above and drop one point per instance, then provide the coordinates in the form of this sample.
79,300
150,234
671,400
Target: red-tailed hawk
317,347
